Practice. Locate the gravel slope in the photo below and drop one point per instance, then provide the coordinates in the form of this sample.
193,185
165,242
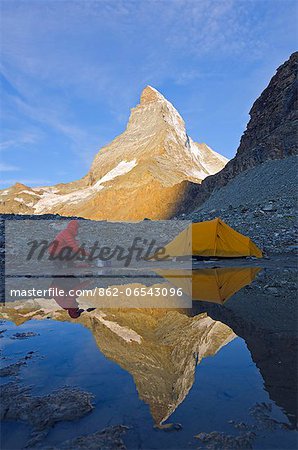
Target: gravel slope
261,203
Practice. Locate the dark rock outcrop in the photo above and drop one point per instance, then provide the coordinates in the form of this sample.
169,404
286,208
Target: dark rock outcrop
42,413
107,439
271,133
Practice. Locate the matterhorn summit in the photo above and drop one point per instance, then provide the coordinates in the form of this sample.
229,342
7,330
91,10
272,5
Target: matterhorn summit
144,172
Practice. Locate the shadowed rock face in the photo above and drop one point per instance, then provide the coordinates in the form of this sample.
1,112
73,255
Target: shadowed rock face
271,133
144,171
160,348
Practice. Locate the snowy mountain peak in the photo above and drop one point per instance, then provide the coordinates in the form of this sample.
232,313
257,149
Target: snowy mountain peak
143,172
156,113
150,94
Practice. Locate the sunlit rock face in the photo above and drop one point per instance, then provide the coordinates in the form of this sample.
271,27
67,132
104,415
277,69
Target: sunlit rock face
144,172
159,348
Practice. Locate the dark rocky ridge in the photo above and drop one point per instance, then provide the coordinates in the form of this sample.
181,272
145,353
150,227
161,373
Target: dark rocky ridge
271,134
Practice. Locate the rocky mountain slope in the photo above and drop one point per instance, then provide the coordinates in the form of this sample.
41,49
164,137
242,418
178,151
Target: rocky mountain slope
260,203
145,171
271,133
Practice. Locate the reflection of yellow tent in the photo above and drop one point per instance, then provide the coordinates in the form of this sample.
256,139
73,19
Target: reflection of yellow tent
211,285
212,238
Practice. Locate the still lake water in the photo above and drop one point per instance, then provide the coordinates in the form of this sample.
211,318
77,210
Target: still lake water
245,354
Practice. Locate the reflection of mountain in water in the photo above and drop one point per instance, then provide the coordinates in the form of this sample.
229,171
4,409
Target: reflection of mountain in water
161,348
164,359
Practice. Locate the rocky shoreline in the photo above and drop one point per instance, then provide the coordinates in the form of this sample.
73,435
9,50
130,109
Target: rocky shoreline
41,413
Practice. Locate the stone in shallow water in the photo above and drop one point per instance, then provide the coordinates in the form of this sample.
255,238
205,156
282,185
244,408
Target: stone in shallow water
67,403
222,441
24,335
169,427
248,432
12,369
107,439
2,333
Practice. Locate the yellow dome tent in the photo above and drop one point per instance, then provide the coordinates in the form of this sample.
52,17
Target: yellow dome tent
212,238
210,285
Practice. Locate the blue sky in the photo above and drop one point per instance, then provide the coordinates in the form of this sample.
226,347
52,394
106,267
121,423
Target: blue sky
71,71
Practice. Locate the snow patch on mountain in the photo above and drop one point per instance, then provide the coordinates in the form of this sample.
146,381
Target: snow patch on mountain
193,148
174,119
30,193
121,169
21,200
50,199
196,173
